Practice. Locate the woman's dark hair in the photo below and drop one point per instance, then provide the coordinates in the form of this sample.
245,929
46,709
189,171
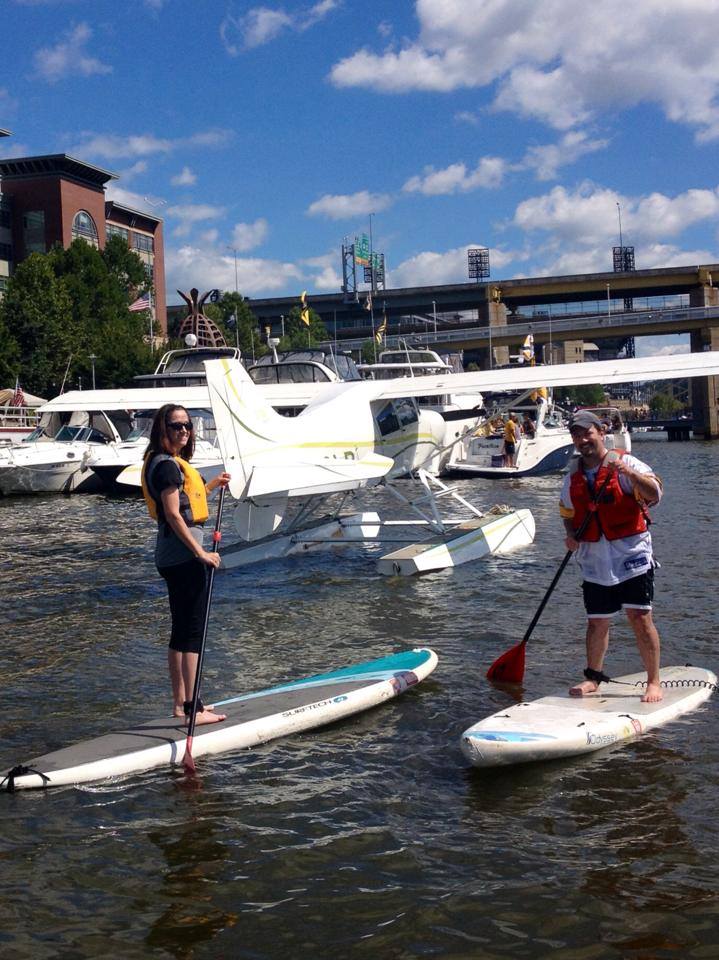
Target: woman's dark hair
159,433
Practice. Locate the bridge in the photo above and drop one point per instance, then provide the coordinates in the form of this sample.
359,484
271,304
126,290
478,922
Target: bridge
490,318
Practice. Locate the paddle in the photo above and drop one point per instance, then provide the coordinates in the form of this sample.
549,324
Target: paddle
509,668
188,762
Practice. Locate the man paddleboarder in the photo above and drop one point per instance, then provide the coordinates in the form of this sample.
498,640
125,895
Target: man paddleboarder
615,550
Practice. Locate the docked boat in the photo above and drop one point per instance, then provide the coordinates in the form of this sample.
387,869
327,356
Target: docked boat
17,419
544,445
54,458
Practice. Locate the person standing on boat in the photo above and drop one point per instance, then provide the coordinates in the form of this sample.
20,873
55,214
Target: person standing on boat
176,498
615,551
510,440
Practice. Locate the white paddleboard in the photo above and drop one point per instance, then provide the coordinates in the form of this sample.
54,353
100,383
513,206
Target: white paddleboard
251,719
563,726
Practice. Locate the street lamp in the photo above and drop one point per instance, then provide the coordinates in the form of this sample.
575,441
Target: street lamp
92,358
234,251
609,303
434,312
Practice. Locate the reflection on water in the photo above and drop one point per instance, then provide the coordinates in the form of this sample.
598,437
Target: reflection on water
372,837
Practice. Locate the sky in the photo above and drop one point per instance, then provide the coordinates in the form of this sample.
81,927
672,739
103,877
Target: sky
265,134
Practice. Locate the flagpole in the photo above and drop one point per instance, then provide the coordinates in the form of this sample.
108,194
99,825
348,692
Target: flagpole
152,336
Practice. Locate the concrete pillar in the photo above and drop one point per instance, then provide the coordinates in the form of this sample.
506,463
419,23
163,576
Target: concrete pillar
493,313
706,294
705,390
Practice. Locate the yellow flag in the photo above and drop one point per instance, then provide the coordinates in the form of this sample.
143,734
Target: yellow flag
304,309
381,329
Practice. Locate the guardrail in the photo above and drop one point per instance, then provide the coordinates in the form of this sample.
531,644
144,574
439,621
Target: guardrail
593,322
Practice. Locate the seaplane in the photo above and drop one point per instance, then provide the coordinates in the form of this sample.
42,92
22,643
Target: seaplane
288,473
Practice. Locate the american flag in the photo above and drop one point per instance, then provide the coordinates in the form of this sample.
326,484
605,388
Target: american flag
18,398
142,303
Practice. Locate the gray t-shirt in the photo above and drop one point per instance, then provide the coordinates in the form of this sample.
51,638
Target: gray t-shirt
169,549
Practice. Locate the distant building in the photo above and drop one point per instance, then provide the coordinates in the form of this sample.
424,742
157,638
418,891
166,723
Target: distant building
58,199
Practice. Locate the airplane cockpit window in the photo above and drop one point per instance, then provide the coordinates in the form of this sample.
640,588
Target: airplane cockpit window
387,420
396,414
406,411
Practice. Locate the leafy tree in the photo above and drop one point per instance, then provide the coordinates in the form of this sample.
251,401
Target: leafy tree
9,355
664,405
37,312
586,395
300,336
369,351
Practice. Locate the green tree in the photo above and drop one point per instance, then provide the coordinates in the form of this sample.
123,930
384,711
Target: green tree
298,335
586,395
664,405
369,351
37,312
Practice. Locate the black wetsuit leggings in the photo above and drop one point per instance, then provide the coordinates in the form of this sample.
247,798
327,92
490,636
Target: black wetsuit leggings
187,590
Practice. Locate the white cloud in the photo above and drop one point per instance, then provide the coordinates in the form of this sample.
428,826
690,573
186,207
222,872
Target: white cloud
191,213
185,178
430,267
260,25
323,271
247,236
135,170
8,103
210,236
662,346
557,61
130,199
114,146
205,267
456,178
345,206
588,215
547,159
68,57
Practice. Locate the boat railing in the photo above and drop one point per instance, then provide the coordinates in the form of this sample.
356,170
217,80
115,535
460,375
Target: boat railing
18,417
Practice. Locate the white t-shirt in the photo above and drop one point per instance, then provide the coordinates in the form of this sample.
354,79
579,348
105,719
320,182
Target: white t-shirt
609,562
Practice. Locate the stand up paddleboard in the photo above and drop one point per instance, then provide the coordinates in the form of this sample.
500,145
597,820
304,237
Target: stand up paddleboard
563,726
251,719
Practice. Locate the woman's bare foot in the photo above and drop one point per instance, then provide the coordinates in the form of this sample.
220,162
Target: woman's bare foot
178,712
582,689
208,716
653,694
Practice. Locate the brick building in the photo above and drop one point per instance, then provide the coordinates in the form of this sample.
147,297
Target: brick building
58,199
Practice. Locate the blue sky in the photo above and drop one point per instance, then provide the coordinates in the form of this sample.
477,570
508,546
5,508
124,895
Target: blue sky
268,132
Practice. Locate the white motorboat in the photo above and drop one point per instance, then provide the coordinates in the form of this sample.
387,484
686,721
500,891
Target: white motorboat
544,445
462,413
54,458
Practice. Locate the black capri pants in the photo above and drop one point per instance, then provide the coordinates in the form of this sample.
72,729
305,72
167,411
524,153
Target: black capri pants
187,590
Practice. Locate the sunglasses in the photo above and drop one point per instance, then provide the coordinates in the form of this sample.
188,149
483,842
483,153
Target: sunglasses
179,426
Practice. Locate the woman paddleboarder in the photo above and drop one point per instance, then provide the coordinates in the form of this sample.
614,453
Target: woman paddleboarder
176,498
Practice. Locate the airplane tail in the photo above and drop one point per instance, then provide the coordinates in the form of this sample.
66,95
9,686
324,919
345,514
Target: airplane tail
268,455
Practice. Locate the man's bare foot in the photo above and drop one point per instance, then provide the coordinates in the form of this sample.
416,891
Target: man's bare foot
582,689
208,716
178,712
653,693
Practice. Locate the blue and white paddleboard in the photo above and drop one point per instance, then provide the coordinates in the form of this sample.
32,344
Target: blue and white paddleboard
564,726
252,719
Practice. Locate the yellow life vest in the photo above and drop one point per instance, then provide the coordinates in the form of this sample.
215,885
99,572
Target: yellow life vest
193,489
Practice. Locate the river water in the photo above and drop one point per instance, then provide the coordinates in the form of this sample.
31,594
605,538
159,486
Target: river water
371,838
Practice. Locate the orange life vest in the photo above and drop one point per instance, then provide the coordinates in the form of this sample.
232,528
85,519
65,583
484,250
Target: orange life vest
193,496
616,514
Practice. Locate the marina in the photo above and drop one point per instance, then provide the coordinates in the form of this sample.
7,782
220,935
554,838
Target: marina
373,836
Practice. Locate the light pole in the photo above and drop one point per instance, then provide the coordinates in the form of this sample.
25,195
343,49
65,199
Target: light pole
434,312
609,303
92,358
282,323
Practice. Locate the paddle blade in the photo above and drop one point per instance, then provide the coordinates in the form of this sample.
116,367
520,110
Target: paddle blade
509,668
187,761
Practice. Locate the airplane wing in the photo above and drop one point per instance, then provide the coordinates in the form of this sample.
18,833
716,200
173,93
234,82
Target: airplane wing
673,367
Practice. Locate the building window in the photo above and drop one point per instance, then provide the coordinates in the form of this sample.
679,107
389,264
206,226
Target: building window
140,241
149,273
4,217
83,228
5,251
33,230
115,231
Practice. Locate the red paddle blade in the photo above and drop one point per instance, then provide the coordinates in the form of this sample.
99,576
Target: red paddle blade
187,761
509,668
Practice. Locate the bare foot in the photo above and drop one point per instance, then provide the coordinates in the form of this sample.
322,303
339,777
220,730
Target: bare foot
178,712
208,716
582,689
653,694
